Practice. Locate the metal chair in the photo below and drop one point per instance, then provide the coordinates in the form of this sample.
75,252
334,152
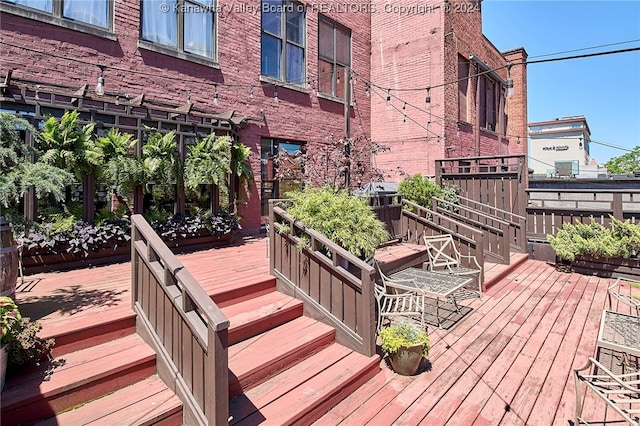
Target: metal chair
445,258
624,298
621,392
393,303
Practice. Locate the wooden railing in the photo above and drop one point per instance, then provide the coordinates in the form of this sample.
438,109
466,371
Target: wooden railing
388,208
549,209
336,286
517,223
497,232
188,332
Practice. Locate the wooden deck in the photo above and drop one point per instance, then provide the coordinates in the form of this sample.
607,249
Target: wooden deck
508,361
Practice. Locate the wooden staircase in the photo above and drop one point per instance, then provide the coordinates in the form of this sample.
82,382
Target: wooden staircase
284,368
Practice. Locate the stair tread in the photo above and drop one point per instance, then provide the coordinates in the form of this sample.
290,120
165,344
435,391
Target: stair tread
144,401
298,394
263,355
75,369
261,313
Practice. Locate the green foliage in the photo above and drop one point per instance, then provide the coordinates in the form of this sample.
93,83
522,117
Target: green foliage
121,168
17,172
68,145
419,190
627,163
240,168
162,163
404,333
347,221
621,240
19,336
208,161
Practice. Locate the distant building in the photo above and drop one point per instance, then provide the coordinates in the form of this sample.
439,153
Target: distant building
560,148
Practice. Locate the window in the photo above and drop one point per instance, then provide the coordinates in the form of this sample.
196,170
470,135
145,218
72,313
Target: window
283,41
488,103
185,26
463,87
290,179
92,12
334,57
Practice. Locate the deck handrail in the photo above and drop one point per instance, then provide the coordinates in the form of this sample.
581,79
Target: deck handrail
498,233
337,287
187,330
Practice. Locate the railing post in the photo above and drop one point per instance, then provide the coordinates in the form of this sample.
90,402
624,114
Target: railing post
217,396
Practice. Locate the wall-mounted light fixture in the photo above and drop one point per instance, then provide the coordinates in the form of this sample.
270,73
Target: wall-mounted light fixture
100,86
509,92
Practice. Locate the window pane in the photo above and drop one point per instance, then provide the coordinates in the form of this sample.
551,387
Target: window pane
343,46
271,53
198,31
271,16
295,64
295,23
325,40
45,5
94,12
324,76
159,25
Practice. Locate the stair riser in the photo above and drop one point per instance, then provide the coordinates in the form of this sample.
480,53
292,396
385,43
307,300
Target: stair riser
67,398
263,324
242,293
238,385
82,339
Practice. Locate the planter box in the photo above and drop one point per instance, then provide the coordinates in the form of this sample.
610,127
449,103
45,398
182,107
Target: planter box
608,267
33,264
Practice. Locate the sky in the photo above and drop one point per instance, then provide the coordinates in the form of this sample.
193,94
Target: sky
605,89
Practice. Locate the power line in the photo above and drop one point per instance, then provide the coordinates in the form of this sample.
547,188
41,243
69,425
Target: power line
585,48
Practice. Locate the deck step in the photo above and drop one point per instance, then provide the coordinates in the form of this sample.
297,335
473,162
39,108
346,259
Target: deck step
255,360
148,402
259,314
307,390
75,378
232,292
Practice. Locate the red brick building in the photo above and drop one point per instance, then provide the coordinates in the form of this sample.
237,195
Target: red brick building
274,71
439,87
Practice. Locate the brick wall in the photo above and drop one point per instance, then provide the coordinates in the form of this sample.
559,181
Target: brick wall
42,51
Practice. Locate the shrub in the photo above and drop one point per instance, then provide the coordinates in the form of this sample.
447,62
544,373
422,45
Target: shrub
419,190
593,239
346,220
405,334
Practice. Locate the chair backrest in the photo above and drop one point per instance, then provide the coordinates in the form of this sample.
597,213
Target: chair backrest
442,251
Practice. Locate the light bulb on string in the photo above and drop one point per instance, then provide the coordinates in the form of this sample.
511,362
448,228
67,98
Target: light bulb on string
388,95
275,94
99,90
215,95
428,98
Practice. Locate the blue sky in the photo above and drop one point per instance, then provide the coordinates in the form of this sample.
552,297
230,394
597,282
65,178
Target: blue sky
605,89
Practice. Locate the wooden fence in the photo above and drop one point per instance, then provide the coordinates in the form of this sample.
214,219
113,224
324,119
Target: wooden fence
336,286
549,209
188,332
496,181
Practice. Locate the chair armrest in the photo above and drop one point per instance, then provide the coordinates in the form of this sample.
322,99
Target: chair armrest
472,260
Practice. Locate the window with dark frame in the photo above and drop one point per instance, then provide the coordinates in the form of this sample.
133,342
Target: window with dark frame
334,57
93,12
488,103
283,40
186,26
463,88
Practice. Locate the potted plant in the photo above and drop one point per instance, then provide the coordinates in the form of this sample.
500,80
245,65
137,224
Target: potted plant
19,343
405,344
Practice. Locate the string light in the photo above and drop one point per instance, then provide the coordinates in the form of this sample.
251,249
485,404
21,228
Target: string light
250,92
215,94
388,95
100,86
428,98
275,94
366,91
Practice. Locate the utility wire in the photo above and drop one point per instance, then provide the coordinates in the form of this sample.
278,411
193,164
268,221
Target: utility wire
584,48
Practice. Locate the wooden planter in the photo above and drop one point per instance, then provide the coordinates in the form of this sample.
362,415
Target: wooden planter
613,267
36,263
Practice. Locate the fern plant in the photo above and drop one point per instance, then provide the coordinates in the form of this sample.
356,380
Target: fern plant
121,168
18,172
162,162
208,161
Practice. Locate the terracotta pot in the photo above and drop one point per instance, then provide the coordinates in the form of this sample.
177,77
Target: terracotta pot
407,360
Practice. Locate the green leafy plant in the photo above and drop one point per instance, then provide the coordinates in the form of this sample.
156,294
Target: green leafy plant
404,334
18,172
162,162
208,161
594,239
346,220
19,336
122,170
420,189
627,163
